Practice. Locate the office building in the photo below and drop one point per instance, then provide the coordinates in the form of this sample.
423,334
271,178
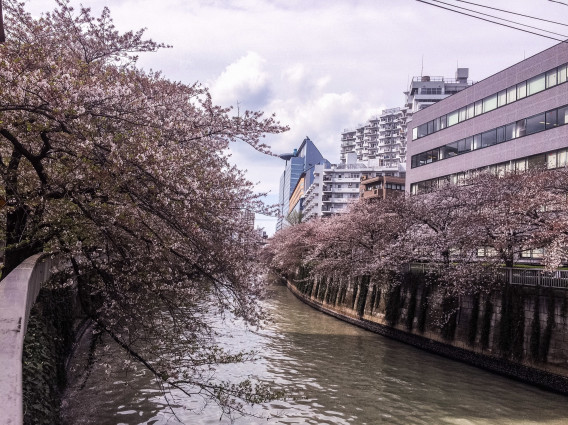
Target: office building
299,165
511,121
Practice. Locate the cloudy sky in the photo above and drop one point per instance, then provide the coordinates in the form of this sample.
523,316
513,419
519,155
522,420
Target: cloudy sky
322,65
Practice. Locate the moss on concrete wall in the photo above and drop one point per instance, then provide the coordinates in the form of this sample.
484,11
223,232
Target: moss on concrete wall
48,342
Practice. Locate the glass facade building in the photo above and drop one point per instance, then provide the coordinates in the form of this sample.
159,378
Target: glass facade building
304,159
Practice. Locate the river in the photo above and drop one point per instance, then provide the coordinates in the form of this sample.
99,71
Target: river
333,373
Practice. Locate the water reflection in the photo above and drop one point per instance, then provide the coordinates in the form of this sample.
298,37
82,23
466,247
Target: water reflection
333,373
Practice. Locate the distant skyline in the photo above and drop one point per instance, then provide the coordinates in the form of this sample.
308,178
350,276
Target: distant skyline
321,66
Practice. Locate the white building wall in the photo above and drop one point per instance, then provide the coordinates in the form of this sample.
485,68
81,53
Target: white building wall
313,196
336,186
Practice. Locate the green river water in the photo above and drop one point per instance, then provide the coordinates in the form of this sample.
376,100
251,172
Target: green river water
333,373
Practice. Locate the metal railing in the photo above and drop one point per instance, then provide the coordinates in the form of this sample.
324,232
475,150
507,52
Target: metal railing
514,276
536,277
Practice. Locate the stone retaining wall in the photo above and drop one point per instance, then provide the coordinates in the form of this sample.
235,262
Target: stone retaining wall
551,373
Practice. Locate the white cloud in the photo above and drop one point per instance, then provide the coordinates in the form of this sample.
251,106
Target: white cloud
322,117
244,81
321,65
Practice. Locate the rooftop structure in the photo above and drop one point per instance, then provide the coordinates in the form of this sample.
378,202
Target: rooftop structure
426,90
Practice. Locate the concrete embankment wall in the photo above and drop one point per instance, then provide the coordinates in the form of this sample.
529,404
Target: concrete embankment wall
18,292
520,332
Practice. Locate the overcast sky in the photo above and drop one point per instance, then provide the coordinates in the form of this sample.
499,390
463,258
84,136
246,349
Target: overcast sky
322,65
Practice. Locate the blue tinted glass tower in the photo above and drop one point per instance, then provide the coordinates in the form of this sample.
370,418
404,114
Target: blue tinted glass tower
301,160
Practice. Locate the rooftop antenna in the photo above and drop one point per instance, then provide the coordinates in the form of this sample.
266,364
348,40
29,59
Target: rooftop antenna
422,66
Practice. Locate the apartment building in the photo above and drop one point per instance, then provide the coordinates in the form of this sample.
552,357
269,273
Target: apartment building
381,187
511,121
381,139
335,186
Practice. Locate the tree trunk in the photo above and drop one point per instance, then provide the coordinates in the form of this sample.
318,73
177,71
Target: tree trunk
2,33
17,252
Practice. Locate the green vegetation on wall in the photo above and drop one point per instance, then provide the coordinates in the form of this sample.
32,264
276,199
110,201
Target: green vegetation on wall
512,325
450,308
342,294
363,291
535,328
547,334
486,323
373,299
355,289
48,341
393,301
321,290
411,310
332,291
472,326
423,308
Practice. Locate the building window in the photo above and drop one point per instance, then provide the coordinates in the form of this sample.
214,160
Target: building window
489,138
537,123
490,103
453,118
536,84
551,119
563,115
520,128
529,87
551,78
521,90
562,74
511,94
501,98
478,107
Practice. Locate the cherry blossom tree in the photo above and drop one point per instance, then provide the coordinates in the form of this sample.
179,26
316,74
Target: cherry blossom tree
517,212
125,173
464,233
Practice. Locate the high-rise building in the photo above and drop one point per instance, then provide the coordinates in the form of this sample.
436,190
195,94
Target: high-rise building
426,90
382,139
511,121
299,164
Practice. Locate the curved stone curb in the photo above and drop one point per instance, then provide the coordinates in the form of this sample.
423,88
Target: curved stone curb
18,292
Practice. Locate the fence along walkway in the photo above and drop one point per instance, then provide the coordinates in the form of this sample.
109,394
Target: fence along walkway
18,292
517,276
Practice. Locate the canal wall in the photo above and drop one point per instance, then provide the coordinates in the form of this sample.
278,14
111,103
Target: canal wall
516,331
